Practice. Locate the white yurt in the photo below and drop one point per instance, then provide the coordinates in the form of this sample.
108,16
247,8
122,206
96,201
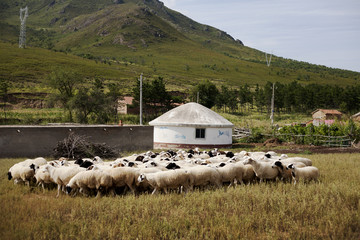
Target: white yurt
191,125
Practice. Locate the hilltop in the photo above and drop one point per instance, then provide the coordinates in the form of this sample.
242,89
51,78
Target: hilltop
119,39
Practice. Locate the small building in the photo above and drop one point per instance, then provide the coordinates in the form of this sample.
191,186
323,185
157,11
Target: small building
325,116
123,104
191,125
356,117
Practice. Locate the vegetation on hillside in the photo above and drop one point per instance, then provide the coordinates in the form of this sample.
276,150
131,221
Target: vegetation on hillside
125,38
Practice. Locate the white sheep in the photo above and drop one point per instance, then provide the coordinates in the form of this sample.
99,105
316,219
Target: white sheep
164,180
22,172
91,179
307,173
201,176
62,175
42,176
232,172
124,177
249,174
263,170
144,186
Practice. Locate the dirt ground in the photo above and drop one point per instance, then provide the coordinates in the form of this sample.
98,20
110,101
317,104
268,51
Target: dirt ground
295,148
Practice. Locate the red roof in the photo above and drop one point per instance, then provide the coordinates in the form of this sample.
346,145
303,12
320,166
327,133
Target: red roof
127,100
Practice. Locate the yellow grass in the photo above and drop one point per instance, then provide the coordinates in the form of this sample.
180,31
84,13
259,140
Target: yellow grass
325,210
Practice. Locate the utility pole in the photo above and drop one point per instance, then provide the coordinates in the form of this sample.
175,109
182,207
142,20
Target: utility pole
272,104
197,99
141,104
268,62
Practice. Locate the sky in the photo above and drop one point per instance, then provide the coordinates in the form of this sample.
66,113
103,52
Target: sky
324,32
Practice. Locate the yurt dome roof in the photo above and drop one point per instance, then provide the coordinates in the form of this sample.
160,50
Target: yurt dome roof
191,115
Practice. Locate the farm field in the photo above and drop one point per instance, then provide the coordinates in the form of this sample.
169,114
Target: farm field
325,210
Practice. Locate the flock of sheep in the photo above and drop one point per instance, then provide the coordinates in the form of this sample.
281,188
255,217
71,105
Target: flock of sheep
161,172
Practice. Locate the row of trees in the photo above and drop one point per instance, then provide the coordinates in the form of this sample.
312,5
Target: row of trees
289,98
91,101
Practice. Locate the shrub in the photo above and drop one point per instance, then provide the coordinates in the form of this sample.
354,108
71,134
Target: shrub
77,146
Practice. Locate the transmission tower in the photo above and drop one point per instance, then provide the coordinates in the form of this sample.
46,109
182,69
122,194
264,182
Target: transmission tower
268,61
23,16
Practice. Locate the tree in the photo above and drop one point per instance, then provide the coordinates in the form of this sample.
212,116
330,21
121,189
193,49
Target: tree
93,104
154,95
4,87
207,93
222,100
64,82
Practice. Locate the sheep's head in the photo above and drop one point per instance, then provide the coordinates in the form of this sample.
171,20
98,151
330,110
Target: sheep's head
172,166
9,176
139,158
32,166
86,164
68,189
79,161
268,155
230,154
64,163
278,164
131,164
290,166
247,160
222,164
141,178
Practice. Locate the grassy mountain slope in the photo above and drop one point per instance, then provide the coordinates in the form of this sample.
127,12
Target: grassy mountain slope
133,36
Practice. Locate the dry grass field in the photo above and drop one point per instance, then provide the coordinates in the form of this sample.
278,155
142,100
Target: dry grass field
325,210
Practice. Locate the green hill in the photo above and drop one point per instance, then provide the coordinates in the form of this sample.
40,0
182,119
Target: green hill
119,39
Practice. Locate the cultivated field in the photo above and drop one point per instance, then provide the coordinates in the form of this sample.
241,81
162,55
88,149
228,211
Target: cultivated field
325,210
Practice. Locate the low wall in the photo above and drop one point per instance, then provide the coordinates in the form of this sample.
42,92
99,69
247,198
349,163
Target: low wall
36,141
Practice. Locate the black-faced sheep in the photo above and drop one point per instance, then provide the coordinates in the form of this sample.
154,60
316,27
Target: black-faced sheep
92,179
62,175
307,173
